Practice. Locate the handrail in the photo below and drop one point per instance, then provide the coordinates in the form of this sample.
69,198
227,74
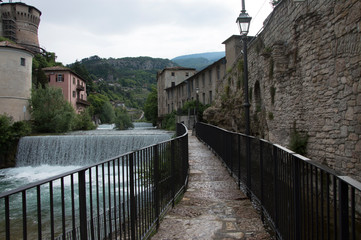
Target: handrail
298,198
114,198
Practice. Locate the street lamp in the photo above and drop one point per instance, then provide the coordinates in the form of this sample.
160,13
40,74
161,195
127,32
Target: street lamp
197,91
243,22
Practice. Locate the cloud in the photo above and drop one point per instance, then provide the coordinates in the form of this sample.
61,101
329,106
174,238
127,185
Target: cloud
120,28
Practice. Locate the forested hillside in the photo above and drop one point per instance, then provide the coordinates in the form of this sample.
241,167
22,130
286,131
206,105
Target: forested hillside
129,72
124,80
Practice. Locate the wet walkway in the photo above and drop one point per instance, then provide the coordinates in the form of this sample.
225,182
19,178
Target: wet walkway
212,207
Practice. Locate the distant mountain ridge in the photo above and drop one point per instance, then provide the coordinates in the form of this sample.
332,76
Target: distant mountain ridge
127,71
198,60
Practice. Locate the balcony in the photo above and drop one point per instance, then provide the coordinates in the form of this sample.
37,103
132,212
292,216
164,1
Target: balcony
79,87
82,102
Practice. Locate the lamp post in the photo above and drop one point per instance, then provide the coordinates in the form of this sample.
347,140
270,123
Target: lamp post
197,100
196,112
243,22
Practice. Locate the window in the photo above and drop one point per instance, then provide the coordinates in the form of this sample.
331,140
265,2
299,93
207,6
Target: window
73,80
187,74
218,72
210,76
210,97
60,78
22,61
73,94
173,74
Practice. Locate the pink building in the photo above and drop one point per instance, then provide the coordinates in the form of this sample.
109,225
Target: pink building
72,85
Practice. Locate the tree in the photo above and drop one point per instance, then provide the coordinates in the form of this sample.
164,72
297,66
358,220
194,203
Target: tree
122,119
107,114
39,62
50,111
151,107
84,121
10,133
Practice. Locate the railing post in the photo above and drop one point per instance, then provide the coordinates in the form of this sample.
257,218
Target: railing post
297,197
173,171
82,205
239,159
275,180
156,184
262,178
343,215
248,156
7,217
133,204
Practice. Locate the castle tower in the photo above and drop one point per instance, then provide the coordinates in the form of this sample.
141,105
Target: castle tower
20,23
15,80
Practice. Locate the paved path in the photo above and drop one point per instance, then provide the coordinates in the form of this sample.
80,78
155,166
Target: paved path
212,207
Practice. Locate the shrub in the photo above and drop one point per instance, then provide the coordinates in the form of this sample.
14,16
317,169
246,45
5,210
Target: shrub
50,111
122,120
83,121
169,122
10,133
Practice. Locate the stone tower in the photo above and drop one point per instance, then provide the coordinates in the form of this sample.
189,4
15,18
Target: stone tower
20,22
15,80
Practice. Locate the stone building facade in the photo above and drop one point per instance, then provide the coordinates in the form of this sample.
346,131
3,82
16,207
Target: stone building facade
178,85
304,75
19,23
15,80
72,85
167,80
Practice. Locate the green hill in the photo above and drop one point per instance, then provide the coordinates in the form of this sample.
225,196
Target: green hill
123,80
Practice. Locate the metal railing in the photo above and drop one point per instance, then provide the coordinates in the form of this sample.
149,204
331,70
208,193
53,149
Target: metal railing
123,197
299,198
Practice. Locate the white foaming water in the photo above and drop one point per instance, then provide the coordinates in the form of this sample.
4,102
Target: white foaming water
39,158
11,178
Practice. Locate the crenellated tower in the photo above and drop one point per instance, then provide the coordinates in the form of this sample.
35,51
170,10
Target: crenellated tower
20,23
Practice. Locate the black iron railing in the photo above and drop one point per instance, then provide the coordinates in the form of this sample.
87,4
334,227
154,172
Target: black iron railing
299,198
123,197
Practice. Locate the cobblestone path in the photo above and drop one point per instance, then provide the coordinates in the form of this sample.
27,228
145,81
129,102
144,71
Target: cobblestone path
212,207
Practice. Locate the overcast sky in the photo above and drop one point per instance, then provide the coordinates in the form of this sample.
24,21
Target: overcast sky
76,29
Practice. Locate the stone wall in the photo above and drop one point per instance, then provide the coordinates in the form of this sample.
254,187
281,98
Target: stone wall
304,72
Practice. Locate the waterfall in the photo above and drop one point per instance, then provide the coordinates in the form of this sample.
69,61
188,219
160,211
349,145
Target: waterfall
84,148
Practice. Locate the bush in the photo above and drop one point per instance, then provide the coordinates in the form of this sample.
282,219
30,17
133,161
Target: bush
169,122
151,107
50,111
192,106
107,114
122,120
10,133
83,121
